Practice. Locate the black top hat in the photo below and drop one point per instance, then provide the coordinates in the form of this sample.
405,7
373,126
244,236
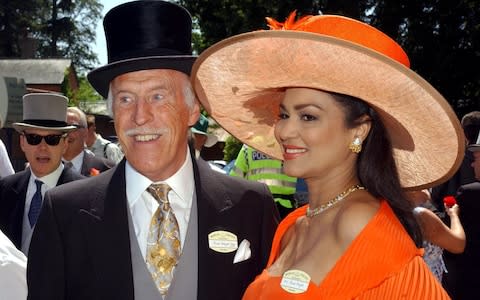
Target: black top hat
142,35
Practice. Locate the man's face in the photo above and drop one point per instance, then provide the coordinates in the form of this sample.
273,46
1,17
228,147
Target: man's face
43,158
152,120
476,164
76,139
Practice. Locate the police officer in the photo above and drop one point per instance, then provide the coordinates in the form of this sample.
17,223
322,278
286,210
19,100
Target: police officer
256,166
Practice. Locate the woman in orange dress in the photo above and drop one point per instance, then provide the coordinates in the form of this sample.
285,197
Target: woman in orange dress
335,99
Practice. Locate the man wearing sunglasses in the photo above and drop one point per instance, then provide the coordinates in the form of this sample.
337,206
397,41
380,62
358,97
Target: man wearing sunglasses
43,134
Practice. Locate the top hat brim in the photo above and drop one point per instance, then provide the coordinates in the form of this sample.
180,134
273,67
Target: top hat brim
101,77
241,81
21,127
473,147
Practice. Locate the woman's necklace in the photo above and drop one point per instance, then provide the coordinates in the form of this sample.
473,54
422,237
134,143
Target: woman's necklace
318,210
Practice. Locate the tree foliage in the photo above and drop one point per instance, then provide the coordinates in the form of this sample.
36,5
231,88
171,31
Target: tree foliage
441,37
60,28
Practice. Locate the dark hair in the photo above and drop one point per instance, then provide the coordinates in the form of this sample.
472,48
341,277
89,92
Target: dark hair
376,168
90,120
471,126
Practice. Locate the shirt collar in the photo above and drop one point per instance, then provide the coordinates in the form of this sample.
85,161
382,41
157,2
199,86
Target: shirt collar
182,182
51,179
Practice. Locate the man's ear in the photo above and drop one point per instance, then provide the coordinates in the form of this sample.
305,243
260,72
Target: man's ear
22,142
194,114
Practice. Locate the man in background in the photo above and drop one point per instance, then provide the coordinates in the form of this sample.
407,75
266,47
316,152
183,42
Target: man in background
471,126
43,140
100,146
461,279
76,155
202,138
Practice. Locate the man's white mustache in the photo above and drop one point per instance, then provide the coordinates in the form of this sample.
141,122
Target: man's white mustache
145,130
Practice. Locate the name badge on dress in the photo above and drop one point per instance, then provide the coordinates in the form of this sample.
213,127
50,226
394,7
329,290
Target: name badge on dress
295,281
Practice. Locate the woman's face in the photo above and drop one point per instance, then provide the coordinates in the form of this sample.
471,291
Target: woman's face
312,133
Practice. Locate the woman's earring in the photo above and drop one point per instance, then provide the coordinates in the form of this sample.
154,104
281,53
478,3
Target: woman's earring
356,145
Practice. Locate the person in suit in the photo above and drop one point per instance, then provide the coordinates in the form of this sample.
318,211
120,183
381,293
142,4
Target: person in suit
100,146
471,126
82,160
99,238
43,140
461,280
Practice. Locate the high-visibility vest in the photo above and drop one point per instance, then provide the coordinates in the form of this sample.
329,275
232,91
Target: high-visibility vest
256,166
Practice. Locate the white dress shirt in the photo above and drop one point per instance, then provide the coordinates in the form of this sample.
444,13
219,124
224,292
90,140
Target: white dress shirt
142,204
77,162
49,182
13,267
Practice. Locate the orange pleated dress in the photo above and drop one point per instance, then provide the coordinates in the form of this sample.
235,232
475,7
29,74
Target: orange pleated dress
382,263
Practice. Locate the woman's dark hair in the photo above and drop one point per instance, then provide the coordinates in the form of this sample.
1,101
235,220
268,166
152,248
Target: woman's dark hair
376,166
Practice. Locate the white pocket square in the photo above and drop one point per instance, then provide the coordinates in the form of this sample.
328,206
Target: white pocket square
243,252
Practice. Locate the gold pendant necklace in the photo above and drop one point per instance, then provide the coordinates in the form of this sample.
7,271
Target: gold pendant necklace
316,211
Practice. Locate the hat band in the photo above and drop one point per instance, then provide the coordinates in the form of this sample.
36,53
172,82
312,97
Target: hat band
46,123
147,53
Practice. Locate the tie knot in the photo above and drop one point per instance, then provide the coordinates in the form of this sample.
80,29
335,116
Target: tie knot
38,183
159,191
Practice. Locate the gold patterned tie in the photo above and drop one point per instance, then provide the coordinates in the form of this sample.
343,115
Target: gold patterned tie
163,242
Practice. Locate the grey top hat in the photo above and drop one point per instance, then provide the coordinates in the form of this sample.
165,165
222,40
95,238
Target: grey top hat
44,111
475,147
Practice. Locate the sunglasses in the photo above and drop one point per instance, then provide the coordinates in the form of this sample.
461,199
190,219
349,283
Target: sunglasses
51,139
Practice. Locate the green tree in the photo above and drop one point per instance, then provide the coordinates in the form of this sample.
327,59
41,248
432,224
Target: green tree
58,28
15,24
66,28
231,149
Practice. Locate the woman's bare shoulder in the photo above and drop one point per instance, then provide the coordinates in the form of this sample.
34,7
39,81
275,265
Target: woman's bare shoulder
354,216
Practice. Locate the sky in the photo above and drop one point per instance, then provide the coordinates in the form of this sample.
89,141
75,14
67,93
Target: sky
100,46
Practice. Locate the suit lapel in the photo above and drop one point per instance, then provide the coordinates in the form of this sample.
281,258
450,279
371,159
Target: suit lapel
107,227
19,193
85,163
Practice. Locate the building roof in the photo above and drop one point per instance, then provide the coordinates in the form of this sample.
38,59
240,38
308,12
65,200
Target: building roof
36,71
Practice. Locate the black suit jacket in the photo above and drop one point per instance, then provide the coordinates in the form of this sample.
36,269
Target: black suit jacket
81,246
91,161
461,281
13,190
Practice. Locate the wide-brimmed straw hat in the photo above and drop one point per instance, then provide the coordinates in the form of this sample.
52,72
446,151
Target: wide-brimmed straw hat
143,35
44,111
241,80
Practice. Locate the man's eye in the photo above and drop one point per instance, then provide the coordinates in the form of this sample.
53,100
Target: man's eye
158,97
124,99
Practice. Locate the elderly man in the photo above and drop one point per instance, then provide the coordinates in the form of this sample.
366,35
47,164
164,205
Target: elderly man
81,160
160,224
43,140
